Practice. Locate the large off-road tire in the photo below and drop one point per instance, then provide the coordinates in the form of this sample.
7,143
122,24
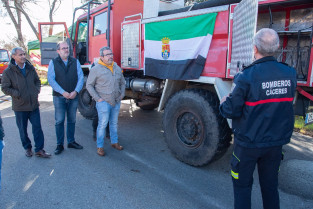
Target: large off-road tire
194,130
86,105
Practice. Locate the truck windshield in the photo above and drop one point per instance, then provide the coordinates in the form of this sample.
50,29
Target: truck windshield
4,56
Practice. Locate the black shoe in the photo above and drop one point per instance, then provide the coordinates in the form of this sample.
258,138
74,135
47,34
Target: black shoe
59,149
74,145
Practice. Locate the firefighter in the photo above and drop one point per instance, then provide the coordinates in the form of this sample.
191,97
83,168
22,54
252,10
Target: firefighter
260,106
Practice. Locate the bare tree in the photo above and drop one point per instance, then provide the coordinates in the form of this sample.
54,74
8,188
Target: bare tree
7,46
16,17
19,7
189,2
15,9
54,6
98,1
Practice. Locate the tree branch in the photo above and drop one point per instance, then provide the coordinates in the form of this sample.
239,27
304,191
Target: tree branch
28,20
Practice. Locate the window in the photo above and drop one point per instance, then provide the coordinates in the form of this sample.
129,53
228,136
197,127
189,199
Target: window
82,32
4,57
100,24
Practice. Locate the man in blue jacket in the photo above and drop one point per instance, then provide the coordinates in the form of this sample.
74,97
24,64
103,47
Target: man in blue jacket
260,106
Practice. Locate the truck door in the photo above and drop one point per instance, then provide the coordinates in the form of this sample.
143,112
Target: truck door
98,34
243,30
49,35
131,44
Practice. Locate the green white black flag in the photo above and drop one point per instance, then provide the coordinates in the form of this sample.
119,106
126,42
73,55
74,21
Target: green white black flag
177,49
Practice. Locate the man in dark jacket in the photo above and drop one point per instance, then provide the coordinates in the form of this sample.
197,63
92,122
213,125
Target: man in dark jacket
22,83
260,106
66,78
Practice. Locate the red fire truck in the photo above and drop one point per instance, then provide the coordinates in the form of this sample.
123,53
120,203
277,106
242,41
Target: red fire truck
4,61
194,130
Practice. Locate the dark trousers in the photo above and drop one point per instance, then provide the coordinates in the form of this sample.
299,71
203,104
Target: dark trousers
22,118
243,164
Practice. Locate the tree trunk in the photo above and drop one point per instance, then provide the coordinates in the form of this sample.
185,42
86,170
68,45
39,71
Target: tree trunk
16,22
53,8
21,10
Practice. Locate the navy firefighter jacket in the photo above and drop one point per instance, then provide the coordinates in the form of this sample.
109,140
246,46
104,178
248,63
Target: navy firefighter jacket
260,104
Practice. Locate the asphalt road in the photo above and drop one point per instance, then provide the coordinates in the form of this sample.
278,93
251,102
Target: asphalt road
143,176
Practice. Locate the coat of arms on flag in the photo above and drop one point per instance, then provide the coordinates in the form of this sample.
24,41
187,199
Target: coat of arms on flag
165,48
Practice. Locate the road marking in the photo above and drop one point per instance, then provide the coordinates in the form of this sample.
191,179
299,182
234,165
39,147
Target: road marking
205,198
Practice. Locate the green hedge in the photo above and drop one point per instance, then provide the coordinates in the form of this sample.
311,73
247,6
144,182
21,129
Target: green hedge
44,81
299,125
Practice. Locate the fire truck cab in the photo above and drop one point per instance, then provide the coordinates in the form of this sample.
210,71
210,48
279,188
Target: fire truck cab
4,60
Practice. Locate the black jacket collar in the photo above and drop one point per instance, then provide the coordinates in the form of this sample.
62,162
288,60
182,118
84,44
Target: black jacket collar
59,59
264,59
28,65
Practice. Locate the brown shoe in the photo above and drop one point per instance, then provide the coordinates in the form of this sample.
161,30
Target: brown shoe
100,151
43,154
29,152
117,146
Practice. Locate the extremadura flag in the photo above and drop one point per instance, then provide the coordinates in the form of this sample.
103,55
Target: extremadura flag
177,49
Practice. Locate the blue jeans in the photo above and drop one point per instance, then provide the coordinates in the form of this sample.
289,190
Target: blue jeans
107,114
22,118
64,106
1,147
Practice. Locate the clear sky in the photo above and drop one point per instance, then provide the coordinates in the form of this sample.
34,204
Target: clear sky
39,13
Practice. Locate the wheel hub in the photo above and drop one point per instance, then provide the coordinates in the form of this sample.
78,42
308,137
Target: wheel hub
190,129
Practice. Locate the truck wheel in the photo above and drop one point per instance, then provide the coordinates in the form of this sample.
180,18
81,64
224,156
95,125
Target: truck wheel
86,105
194,130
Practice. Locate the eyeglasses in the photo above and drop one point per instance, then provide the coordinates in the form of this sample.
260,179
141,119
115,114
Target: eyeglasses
64,48
110,54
